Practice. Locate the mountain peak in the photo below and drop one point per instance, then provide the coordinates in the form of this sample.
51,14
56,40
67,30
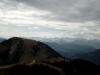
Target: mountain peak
19,50
15,38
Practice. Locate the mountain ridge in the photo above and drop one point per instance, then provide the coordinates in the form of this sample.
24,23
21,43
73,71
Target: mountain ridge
19,50
93,56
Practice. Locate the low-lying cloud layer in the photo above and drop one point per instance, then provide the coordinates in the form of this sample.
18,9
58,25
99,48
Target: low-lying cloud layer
50,18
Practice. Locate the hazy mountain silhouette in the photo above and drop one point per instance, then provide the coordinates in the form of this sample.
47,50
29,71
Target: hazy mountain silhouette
2,39
68,50
93,56
55,39
93,43
60,41
80,41
74,48
19,50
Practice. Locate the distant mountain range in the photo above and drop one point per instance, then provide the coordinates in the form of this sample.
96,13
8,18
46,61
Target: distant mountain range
93,43
68,47
52,39
93,56
68,50
80,41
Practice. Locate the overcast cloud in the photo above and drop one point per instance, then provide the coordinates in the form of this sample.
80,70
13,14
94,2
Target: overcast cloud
50,18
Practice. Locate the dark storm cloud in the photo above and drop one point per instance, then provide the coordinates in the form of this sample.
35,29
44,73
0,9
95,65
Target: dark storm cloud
68,10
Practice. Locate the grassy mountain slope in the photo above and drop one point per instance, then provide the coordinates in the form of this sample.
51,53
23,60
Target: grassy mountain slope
19,50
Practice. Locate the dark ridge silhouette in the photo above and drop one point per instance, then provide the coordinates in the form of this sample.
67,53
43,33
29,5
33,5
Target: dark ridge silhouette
74,67
93,56
31,70
77,67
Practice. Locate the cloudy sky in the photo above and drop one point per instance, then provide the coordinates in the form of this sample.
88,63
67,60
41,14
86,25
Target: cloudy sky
50,18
